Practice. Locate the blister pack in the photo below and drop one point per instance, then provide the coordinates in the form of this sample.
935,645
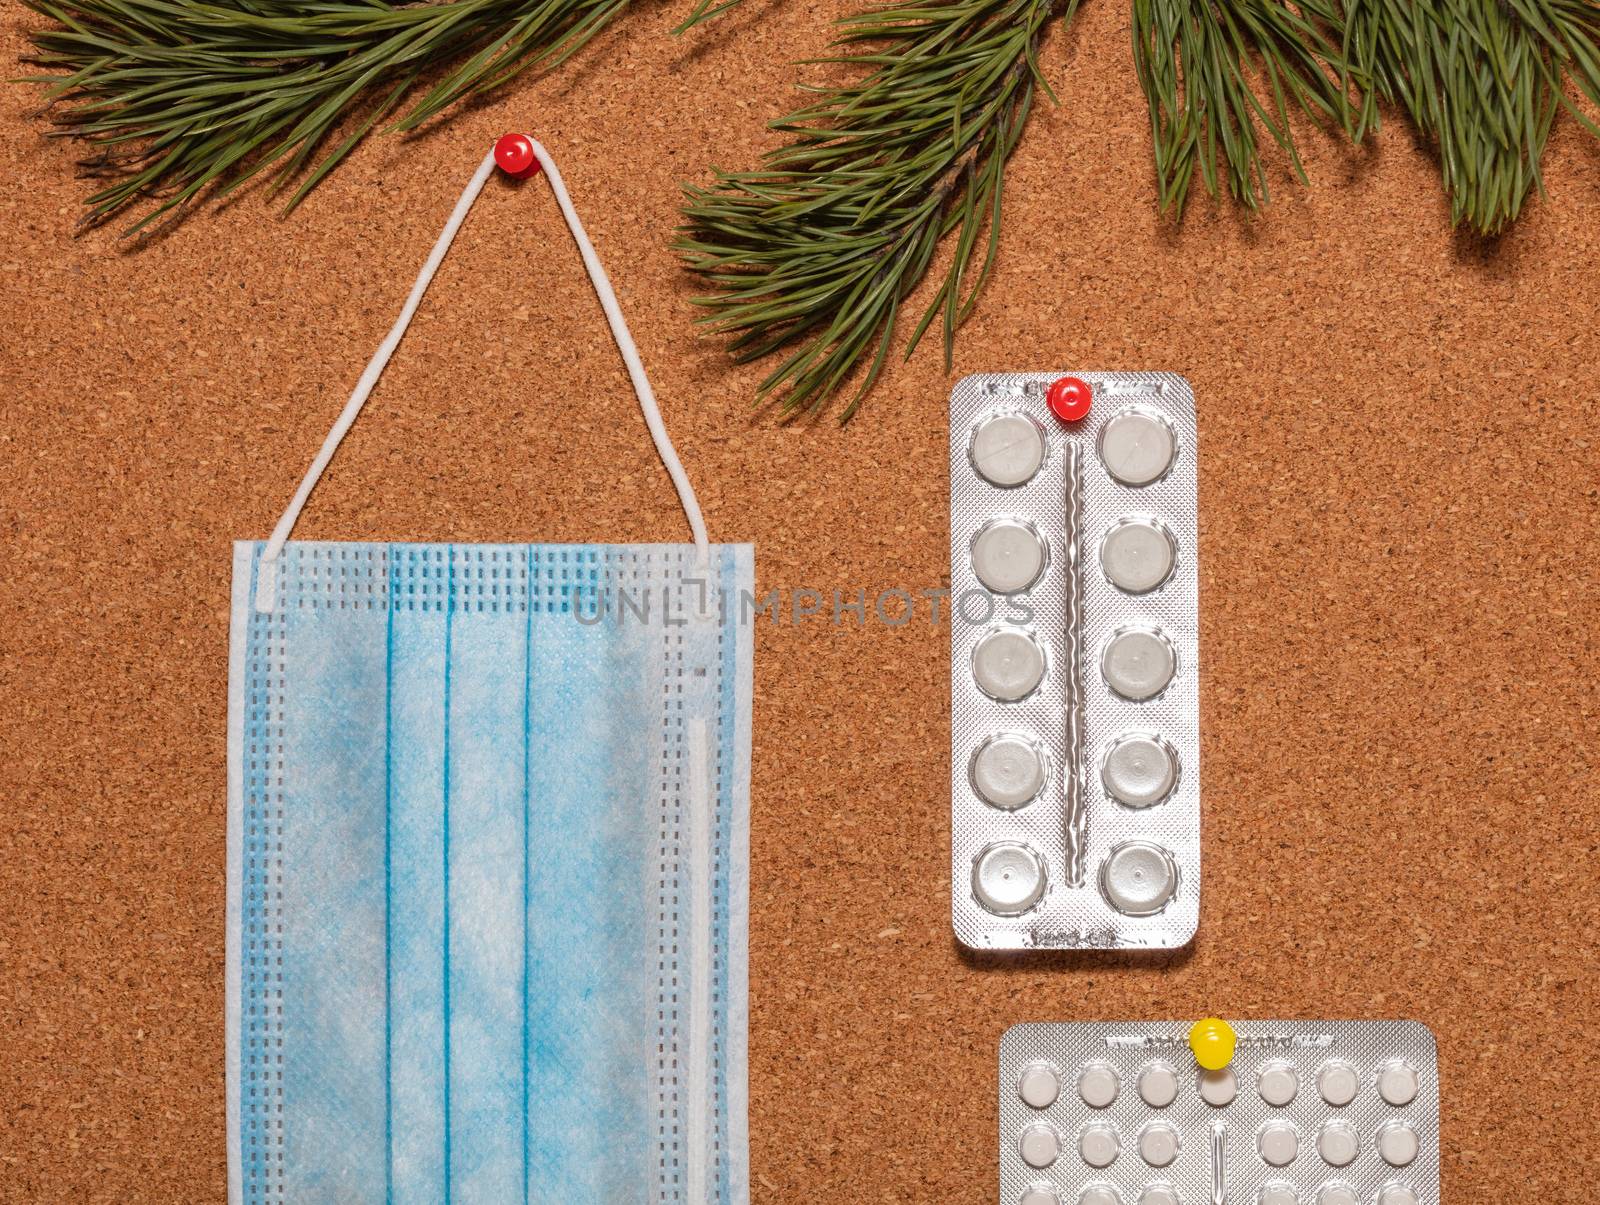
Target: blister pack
1075,739
1258,1113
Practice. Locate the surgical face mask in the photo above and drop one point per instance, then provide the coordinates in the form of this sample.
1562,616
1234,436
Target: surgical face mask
488,860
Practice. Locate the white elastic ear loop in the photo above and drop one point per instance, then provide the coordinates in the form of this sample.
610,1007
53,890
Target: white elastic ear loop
641,384
630,355
267,576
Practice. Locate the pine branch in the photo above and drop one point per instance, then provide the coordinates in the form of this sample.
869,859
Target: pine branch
813,254
1484,79
1197,61
175,96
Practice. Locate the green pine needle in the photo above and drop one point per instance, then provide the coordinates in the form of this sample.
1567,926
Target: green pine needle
1198,62
813,255
1484,79
177,96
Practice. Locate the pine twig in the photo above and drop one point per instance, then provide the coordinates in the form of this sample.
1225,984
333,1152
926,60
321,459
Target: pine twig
814,254
1484,79
1195,61
176,96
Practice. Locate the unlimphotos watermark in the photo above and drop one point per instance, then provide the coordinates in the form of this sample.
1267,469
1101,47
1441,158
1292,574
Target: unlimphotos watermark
893,607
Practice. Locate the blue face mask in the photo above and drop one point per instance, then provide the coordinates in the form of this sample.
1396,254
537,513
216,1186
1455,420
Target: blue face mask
488,863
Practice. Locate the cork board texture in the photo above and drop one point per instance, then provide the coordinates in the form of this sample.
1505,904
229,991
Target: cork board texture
1399,500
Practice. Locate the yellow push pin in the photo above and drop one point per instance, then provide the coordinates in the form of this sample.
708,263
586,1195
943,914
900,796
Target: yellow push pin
1212,1041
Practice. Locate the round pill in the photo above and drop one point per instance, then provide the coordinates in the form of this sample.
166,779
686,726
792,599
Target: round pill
1138,878
1008,449
1008,771
1007,556
1337,1144
1397,1084
1159,1194
1008,665
1099,1194
1138,663
1158,1144
1278,1143
1218,1088
1158,1085
1277,1193
1397,1194
1041,1196
1139,770
1099,1146
1040,1146
1338,1082
1337,1194
1137,448
1008,879
1278,1084
1137,555
1098,1085
1039,1086
1397,1143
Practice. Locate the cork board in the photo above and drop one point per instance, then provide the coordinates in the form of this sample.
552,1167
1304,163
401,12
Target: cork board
1398,492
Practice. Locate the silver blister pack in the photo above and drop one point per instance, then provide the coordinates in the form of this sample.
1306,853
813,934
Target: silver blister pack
1306,1113
1075,739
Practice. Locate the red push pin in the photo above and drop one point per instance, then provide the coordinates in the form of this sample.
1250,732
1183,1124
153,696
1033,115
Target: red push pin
1069,399
513,154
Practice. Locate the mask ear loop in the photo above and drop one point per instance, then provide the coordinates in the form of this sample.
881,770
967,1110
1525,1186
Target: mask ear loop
267,575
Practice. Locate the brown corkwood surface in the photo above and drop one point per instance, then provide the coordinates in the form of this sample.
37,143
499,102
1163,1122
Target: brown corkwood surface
1399,511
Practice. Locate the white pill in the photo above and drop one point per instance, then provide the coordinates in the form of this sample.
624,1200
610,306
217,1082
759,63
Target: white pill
1008,879
1039,1086
1218,1088
1397,1084
1099,1194
1277,1193
1138,878
1137,448
1008,771
1278,1084
1040,1146
1139,770
1007,556
1098,1085
1008,665
1337,1144
1158,1085
1337,1194
1099,1146
1278,1143
1397,1194
1137,555
1397,1143
1158,1144
1338,1082
1008,449
1041,1196
1159,1194
1138,663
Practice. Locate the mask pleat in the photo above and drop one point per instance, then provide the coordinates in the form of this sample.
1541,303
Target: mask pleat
484,875
590,966
332,904
416,654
